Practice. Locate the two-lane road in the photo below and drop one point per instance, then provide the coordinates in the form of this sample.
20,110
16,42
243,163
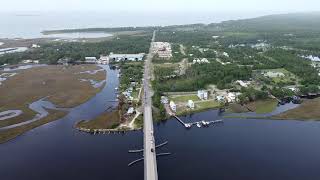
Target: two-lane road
150,160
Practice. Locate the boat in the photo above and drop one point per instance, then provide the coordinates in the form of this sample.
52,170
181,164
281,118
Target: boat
204,123
188,126
198,125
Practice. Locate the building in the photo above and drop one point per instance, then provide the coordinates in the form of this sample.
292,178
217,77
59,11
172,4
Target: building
164,100
202,94
27,61
220,98
35,46
163,49
243,83
126,57
272,74
90,60
103,60
232,97
173,106
130,110
190,104
200,61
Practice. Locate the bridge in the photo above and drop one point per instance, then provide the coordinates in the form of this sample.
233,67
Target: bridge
150,160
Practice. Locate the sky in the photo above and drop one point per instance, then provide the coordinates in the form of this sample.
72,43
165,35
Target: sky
266,6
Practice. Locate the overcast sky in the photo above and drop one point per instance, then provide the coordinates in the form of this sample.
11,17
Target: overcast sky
272,6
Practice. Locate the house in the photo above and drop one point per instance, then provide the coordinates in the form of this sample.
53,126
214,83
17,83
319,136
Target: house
232,97
243,83
35,46
130,110
164,100
220,98
173,106
103,60
126,57
27,61
202,94
190,104
90,60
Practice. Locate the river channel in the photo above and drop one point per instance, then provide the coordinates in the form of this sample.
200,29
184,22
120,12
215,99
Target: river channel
237,149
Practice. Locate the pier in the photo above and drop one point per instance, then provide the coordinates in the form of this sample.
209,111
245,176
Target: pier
199,123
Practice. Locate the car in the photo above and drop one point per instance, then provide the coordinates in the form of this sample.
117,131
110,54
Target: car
152,150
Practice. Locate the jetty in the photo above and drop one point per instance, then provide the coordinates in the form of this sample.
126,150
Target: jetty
202,123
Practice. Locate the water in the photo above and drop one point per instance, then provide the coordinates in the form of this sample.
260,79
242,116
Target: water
30,24
236,149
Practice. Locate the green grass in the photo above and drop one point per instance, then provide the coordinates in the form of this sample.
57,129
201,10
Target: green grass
206,105
184,98
263,106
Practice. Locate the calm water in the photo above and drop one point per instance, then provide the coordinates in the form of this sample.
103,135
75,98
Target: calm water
236,149
30,24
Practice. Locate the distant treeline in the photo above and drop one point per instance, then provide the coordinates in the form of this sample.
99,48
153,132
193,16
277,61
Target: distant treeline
52,52
117,29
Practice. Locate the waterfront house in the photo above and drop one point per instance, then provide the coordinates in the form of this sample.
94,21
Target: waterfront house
220,98
190,104
173,106
103,60
202,94
164,100
130,110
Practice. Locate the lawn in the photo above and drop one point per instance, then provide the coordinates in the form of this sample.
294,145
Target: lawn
203,105
263,106
184,98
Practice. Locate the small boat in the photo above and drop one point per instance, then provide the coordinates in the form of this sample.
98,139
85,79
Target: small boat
116,88
198,125
188,126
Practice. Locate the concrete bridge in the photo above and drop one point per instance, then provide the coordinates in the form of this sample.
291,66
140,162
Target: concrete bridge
150,160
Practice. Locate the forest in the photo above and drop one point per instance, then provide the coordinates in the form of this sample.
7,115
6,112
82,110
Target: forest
51,52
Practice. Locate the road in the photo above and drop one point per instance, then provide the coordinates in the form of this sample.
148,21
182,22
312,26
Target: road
150,160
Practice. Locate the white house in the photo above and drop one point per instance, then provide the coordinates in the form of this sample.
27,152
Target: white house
130,110
173,106
27,61
35,46
164,100
190,104
220,98
202,94
103,60
232,97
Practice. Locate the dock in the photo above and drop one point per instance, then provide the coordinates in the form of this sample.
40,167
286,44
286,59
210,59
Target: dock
199,123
